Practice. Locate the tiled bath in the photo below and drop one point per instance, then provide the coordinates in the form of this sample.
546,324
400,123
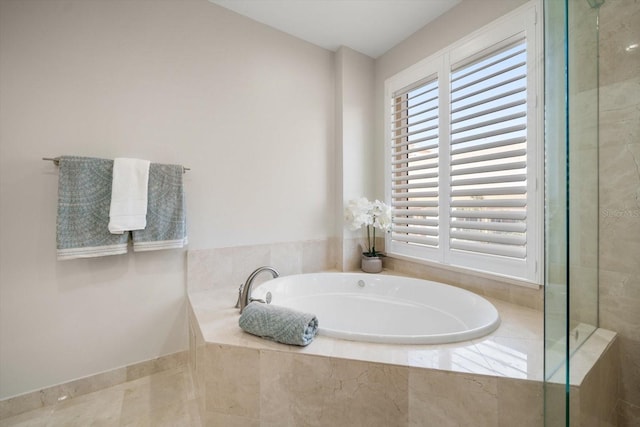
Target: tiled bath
492,381
238,379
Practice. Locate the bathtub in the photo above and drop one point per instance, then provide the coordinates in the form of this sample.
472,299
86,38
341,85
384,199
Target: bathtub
384,308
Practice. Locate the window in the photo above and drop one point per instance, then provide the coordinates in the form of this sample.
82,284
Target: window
463,154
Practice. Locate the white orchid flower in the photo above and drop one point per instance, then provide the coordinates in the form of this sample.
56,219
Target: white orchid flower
361,212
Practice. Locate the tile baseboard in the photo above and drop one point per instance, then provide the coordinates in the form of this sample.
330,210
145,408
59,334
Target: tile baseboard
51,395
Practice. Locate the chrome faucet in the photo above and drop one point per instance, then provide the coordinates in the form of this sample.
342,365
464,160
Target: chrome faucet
244,297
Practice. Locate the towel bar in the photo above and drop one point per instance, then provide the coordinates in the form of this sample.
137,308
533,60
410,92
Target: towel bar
56,161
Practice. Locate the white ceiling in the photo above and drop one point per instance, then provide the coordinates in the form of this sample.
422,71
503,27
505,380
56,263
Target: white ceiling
369,26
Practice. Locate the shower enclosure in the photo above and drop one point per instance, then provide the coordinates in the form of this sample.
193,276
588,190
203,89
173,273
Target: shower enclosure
571,192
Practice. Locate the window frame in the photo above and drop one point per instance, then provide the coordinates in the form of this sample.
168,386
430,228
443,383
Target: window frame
520,23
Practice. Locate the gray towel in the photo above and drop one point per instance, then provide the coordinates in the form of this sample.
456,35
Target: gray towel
84,196
166,219
279,323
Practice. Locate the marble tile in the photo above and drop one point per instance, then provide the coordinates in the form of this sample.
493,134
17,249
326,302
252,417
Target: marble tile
317,256
583,46
196,367
618,104
232,381
100,408
599,390
620,193
83,386
619,173
160,396
368,394
584,297
619,302
17,405
217,419
434,399
464,357
619,27
628,414
246,259
513,357
287,258
518,322
619,285
157,365
222,267
293,388
575,415
34,418
630,367
482,285
310,390
520,403
332,247
161,399
619,251
96,382
352,253
170,415
209,268
526,297
554,405
621,313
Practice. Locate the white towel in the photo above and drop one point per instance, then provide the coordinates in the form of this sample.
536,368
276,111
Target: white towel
128,210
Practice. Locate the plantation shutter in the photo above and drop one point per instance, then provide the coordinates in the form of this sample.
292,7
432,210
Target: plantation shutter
488,154
414,164
464,154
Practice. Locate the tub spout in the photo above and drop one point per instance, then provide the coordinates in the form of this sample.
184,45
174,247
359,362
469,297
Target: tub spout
245,296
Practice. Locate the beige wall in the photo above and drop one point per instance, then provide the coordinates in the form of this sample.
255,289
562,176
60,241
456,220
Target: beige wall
619,259
354,144
249,109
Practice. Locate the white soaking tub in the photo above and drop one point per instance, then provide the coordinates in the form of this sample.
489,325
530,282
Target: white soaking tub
384,308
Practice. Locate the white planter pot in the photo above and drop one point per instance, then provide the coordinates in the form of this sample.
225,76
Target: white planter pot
371,264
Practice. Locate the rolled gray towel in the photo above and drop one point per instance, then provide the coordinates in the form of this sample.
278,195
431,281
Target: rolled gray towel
279,323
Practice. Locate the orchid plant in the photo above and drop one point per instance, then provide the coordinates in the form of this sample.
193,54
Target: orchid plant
361,212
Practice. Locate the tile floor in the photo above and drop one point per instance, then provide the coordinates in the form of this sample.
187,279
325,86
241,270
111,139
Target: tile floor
163,399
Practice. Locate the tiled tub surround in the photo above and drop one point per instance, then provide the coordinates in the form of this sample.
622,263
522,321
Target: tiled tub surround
245,380
495,380
527,296
531,297
207,268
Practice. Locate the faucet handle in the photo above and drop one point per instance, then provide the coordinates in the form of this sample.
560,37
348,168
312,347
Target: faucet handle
239,295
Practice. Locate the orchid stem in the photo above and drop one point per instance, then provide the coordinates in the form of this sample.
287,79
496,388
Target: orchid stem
373,248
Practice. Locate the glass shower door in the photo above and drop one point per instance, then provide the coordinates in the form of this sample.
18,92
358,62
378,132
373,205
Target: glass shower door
571,192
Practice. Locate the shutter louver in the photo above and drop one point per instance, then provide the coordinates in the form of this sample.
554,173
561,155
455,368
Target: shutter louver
414,164
488,154
464,153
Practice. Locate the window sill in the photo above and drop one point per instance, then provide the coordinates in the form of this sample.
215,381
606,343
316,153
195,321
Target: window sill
467,271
